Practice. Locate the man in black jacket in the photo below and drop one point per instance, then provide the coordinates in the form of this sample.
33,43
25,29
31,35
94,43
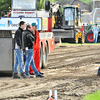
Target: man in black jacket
18,51
29,39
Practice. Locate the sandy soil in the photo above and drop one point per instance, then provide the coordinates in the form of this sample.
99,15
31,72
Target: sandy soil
72,71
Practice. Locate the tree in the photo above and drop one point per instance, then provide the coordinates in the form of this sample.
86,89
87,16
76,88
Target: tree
4,7
4,4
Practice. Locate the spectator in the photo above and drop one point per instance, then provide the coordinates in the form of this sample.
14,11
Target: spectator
36,49
95,33
28,45
98,74
18,51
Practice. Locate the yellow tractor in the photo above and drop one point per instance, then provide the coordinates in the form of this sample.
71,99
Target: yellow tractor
70,21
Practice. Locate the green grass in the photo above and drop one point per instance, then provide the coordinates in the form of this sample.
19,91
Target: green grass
86,1
94,96
80,44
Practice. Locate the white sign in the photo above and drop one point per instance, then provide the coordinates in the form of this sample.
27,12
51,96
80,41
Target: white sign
24,4
23,13
13,23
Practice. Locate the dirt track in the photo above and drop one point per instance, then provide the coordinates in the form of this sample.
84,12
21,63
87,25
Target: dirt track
72,71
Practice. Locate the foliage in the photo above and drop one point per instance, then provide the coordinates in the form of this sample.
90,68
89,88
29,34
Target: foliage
4,4
42,7
43,1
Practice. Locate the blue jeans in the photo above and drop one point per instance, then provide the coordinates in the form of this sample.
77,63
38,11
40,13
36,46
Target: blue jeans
18,60
95,37
30,61
99,70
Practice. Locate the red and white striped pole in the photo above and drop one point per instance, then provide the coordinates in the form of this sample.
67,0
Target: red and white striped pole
52,97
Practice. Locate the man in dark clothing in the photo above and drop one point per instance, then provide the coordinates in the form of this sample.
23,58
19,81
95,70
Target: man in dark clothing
29,39
18,51
36,49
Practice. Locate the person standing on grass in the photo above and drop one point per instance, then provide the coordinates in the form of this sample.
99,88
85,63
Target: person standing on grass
95,33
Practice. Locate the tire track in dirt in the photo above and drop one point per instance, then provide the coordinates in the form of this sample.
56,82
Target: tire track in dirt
53,55
63,58
73,60
72,73
73,49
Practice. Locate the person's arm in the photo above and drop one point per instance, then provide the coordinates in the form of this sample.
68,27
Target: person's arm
31,37
38,37
98,29
18,39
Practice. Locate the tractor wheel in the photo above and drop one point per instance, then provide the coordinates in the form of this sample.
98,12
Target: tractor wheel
79,40
76,37
98,37
89,37
45,57
41,53
83,38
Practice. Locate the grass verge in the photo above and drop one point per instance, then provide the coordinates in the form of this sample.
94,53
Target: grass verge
94,96
80,44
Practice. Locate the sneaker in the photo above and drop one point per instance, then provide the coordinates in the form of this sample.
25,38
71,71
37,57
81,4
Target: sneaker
29,76
98,74
32,73
41,73
22,75
39,76
16,76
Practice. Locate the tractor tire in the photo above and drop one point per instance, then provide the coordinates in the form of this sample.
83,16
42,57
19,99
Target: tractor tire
98,37
82,39
75,37
41,54
79,40
45,57
89,37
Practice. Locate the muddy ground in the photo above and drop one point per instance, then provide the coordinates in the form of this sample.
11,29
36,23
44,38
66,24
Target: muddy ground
72,71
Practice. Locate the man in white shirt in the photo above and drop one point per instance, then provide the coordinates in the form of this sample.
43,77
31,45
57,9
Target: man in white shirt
95,33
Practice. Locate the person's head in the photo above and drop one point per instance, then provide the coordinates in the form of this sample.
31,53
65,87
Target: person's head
34,26
22,24
29,27
95,25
